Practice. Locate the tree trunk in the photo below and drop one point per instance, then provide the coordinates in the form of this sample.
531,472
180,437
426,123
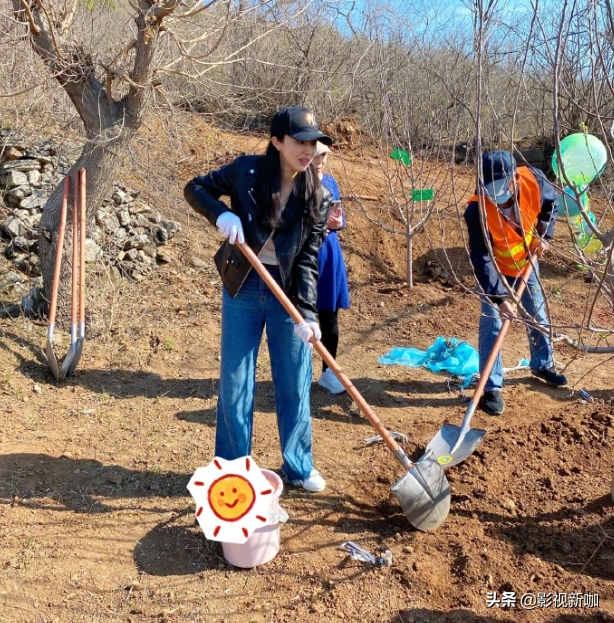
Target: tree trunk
109,124
101,160
410,257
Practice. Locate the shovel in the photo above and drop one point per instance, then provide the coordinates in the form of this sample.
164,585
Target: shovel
55,286
453,444
423,492
77,331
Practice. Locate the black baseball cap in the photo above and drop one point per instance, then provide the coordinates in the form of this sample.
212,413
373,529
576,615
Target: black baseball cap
299,123
498,171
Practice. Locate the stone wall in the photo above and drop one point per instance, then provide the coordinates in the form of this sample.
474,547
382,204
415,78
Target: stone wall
128,235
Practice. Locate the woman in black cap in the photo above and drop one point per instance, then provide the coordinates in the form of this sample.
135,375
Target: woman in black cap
279,208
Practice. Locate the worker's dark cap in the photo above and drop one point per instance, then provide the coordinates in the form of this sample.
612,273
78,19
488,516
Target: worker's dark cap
498,171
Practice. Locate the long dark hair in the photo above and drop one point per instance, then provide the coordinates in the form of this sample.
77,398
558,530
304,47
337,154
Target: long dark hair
307,188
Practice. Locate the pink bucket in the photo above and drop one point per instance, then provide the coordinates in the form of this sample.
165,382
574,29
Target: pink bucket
263,544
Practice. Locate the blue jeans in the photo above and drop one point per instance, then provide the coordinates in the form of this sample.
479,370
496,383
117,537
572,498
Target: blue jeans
243,320
490,324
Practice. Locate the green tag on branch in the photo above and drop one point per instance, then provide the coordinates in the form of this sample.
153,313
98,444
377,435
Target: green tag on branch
401,155
425,194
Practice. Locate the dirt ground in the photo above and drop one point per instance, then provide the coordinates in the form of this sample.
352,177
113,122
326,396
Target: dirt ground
96,523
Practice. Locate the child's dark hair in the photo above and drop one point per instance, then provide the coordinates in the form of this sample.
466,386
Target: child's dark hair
307,187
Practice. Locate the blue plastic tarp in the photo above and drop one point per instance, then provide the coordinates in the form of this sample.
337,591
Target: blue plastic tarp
444,355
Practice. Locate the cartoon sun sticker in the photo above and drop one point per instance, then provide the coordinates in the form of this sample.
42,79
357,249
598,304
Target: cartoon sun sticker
233,498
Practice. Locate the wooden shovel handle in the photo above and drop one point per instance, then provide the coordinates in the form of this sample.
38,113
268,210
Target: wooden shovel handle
55,286
326,356
75,249
490,362
82,234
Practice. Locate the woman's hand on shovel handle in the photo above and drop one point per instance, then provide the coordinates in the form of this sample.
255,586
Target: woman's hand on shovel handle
308,329
230,227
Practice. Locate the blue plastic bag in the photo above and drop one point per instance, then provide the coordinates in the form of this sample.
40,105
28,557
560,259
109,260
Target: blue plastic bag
458,358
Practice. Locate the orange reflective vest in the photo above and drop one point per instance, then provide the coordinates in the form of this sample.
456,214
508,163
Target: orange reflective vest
509,246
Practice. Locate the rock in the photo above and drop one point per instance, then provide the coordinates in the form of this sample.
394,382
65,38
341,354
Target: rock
164,257
96,234
135,242
143,257
123,216
8,281
159,234
35,265
34,303
92,251
110,223
509,503
34,178
13,227
139,208
141,220
120,236
12,153
15,178
47,178
198,263
150,250
120,197
19,192
37,199
22,243
172,227
23,165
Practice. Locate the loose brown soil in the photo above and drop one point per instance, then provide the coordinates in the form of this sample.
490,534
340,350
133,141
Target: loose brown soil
96,523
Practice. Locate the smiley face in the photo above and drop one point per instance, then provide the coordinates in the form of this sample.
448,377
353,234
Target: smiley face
231,497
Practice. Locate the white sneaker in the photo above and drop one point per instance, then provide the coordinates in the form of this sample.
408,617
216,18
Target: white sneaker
329,381
313,482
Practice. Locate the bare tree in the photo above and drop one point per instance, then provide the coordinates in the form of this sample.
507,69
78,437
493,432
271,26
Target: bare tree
109,89
110,59
565,55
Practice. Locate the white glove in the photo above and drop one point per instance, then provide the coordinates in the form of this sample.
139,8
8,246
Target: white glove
230,227
306,329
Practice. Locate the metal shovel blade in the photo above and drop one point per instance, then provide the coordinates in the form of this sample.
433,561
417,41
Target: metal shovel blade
51,358
71,360
68,365
424,494
442,446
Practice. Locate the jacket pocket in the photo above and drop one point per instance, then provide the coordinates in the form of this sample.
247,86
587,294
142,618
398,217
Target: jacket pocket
228,259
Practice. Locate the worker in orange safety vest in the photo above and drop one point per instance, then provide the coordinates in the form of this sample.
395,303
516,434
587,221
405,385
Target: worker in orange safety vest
520,209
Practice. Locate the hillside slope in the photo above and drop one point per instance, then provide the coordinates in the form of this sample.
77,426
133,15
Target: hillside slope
96,523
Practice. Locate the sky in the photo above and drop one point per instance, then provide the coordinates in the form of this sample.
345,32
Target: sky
435,18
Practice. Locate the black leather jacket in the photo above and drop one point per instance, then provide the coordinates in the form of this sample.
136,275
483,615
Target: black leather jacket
297,240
